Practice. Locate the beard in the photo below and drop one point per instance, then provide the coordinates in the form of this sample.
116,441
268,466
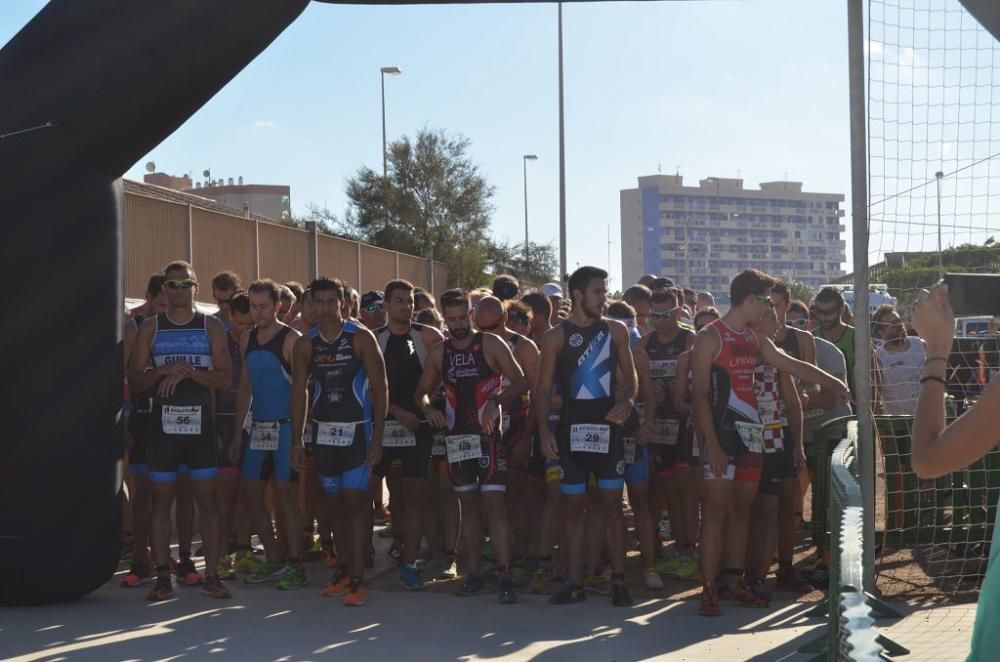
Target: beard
460,334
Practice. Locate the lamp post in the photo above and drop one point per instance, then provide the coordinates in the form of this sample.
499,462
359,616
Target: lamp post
562,167
939,176
524,161
391,71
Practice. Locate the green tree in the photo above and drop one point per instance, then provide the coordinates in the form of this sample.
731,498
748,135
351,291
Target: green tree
432,201
540,266
801,291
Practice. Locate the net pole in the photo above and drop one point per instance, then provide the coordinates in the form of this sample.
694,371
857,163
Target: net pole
859,223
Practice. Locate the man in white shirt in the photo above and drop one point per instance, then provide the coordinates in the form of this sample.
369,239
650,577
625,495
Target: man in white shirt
898,361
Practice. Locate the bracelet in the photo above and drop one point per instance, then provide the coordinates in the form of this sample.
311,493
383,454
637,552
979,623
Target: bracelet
933,378
936,358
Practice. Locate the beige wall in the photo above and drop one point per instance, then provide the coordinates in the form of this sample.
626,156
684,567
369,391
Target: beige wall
157,231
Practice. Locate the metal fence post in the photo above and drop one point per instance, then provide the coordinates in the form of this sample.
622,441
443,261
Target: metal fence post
190,235
313,249
359,267
256,249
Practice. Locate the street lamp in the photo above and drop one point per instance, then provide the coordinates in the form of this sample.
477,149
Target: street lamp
524,161
939,176
391,71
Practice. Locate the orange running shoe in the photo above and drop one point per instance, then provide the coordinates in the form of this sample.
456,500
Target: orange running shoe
337,588
356,596
329,560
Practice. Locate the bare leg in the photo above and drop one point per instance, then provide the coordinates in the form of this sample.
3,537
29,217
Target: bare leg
205,495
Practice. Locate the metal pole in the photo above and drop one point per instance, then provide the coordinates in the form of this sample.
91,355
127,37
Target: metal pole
562,166
939,175
862,330
527,258
385,168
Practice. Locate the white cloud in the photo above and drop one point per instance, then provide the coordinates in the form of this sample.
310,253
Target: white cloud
265,124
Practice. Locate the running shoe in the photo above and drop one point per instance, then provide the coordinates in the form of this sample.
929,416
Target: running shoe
138,573
663,529
506,595
245,562
620,595
567,594
186,573
597,584
395,552
539,584
651,578
294,577
687,567
412,579
669,564
214,588
265,572
759,588
709,600
225,568
808,563
819,577
162,589
337,587
473,585
329,558
381,516
791,581
450,570
741,595
356,596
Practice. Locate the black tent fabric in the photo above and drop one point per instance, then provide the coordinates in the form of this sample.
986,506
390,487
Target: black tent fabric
987,12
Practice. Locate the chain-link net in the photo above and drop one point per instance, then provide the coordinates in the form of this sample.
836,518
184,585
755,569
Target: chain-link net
934,166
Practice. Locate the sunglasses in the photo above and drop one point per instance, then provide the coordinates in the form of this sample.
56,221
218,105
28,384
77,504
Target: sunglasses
666,314
374,308
517,319
185,284
798,324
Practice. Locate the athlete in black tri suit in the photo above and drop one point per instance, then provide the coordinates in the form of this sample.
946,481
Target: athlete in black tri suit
191,359
473,366
585,354
348,409
408,436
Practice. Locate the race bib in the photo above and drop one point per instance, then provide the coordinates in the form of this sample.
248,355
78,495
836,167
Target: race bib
663,369
629,451
181,420
463,447
264,436
439,448
589,438
666,431
335,434
752,435
397,435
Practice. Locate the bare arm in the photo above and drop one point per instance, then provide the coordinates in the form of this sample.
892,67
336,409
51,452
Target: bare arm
647,393
501,359
706,347
301,355
139,378
371,357
551,346
793,410
429,382
243,397
804,371
626,364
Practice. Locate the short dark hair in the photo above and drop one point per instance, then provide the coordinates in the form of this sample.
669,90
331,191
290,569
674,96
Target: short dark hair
661,282
798,307
296,288
830,295
517,308
286,294
883,309
750,282
539,303
422,296
580,279
711,310
455,297
620,309
268,286
637,293
155,285
324,284
782,289
688,293
240,302
394,285
226,280
505,287
179,265
663,296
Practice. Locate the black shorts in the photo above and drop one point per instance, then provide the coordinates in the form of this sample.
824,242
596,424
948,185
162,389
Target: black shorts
575,467
138,456
343,467
776,469
168,453
488,472
514,432
224,424
667,452
415,460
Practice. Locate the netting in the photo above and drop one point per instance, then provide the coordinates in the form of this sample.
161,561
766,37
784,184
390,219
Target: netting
934,168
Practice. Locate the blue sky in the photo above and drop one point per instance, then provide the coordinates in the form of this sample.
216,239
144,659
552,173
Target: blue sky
709,88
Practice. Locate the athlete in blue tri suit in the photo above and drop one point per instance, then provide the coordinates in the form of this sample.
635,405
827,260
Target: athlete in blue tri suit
191,360
349,404
267,382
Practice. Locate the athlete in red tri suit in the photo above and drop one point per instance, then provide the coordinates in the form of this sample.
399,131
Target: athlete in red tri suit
473,365
724,357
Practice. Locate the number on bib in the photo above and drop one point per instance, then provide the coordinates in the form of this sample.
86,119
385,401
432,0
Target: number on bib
181,420
335,434
397,435
666,369
463,447
666,431
265,436
589,438
752,435
439,448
